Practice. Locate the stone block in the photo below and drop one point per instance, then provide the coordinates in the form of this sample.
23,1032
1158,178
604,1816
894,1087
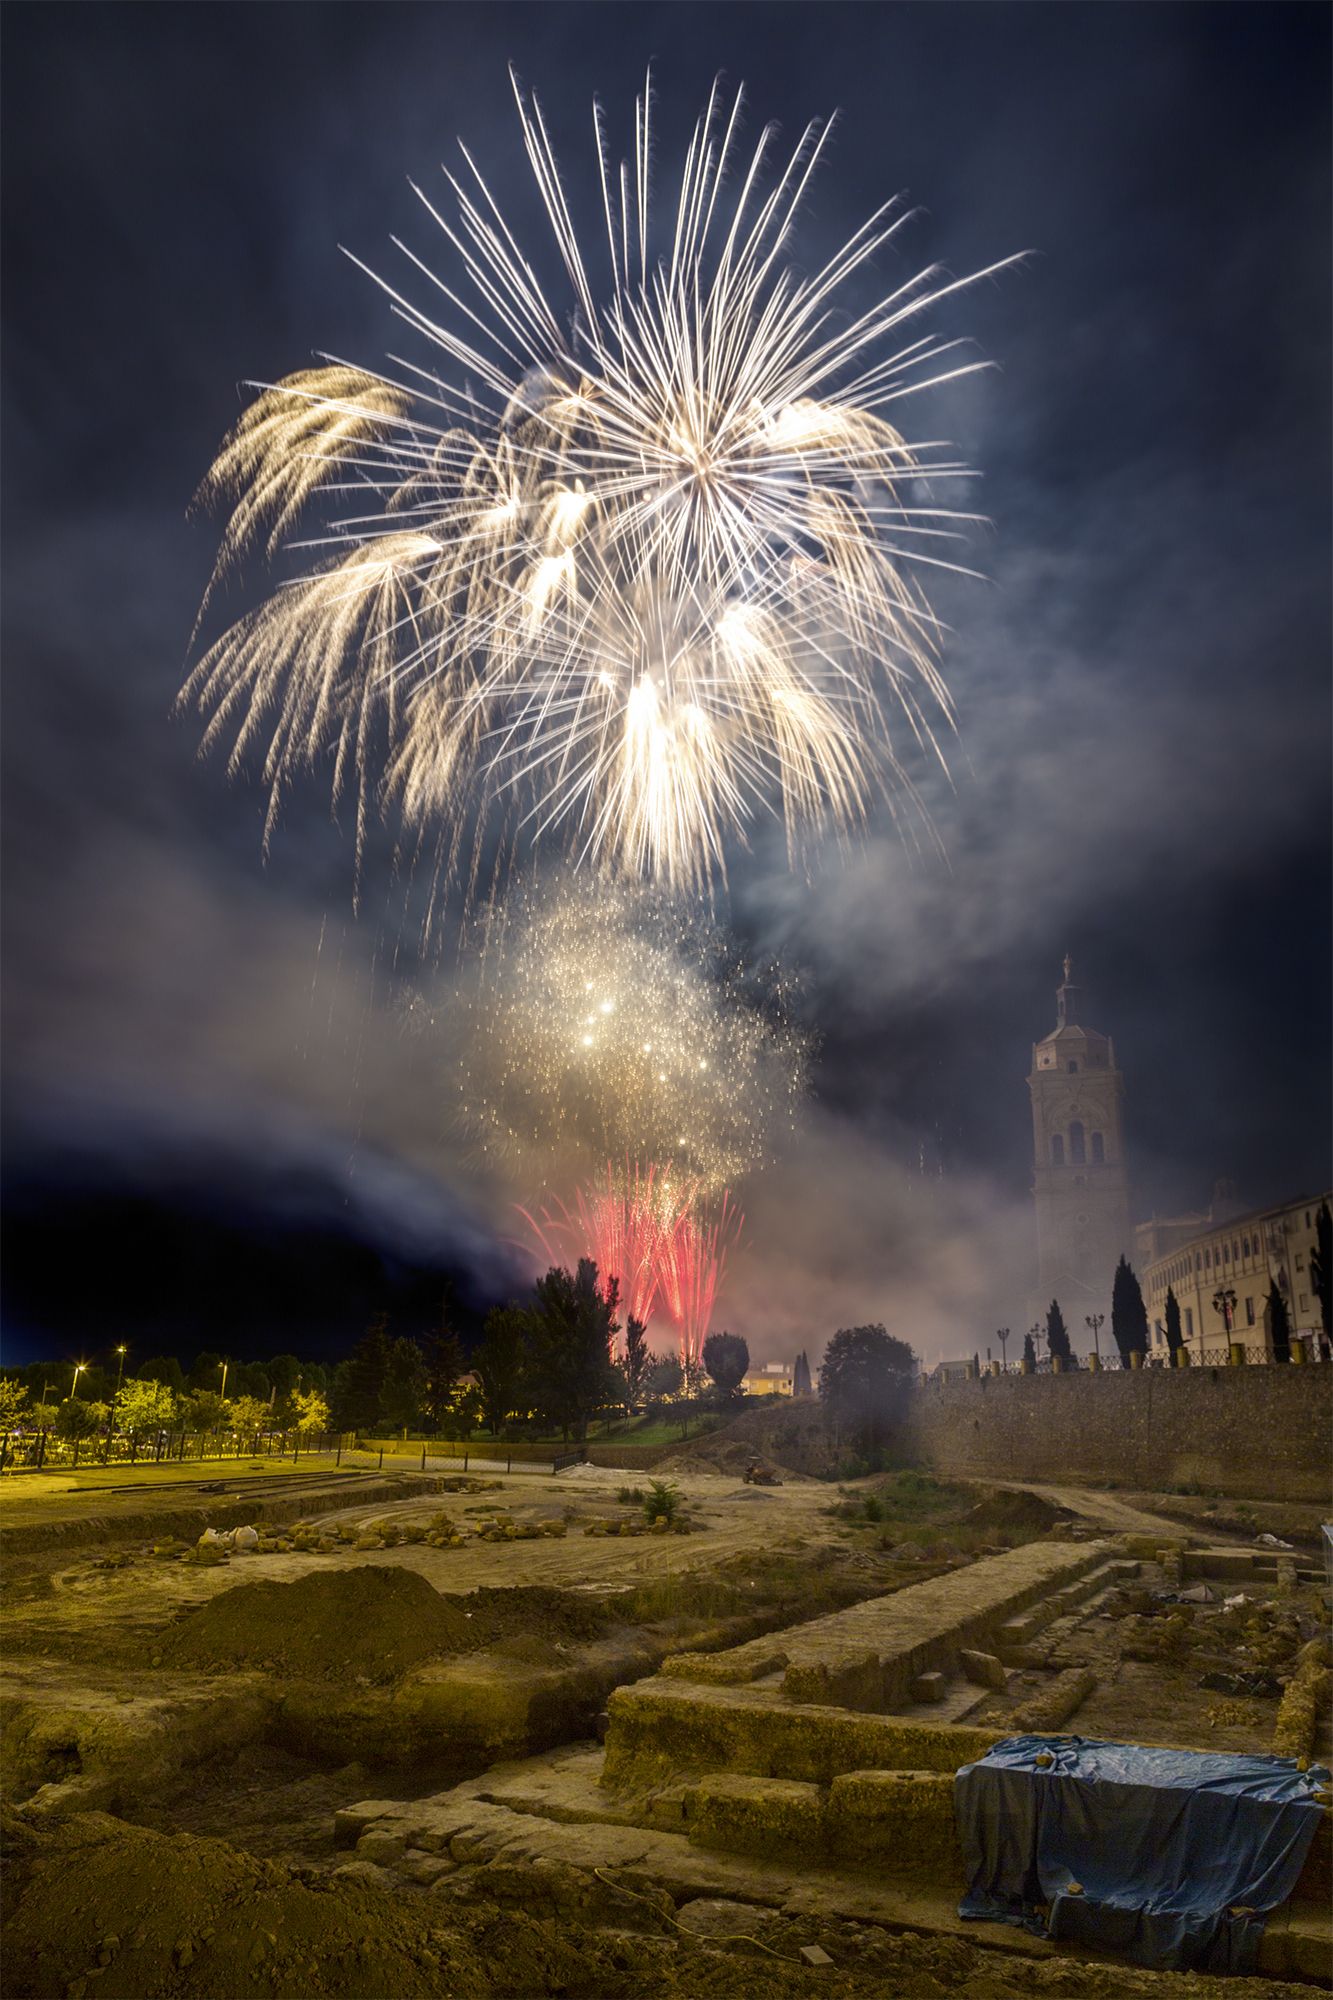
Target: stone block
903,1819
928,1687
350,1822
751,1815
423,1868
382,1846
983,1669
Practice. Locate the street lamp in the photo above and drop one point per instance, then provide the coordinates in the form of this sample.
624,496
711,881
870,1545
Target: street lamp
223,1391
79,1369
1224,1302
111,1420
1002,1335
1096,1321
1035,1331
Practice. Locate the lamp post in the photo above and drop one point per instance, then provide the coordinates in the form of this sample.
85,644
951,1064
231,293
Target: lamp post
1224,1302
1002,1335
120,1378
111,1420
1096,1321
79,1368
1035,1331
223,1391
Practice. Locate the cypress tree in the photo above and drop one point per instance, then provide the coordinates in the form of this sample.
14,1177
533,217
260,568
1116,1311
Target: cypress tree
1057,1338
1175,1340
1129,1315
1279,1323
1321,1268
1029,1351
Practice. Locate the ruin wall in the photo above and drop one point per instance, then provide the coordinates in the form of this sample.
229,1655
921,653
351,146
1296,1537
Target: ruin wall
1249,1433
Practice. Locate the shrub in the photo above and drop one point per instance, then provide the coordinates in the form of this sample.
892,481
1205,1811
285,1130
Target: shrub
630,1496
662,1500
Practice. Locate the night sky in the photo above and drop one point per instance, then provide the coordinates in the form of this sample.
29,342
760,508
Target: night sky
217,1131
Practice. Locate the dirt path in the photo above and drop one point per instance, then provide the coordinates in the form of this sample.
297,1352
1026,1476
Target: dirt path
1104,1508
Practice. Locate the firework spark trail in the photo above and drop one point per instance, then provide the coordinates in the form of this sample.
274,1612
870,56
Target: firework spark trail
650,572
665,1246
605,1024
691,1263
618,1221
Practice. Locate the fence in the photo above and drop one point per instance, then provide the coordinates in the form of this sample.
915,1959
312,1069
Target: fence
42,1450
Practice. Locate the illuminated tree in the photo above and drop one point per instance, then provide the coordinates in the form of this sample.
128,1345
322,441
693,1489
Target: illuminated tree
312,1412
145,1405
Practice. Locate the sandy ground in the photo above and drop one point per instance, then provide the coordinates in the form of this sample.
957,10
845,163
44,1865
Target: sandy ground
78,1607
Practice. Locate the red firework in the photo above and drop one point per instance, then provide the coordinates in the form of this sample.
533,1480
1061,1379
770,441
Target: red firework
651,1234
691,1261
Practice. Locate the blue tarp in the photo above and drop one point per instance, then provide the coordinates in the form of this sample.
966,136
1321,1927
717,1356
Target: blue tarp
1171,1856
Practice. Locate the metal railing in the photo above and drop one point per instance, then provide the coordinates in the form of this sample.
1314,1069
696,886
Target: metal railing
42,1451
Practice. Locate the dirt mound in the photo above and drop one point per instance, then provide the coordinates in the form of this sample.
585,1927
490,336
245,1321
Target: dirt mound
998,1508
790,1438
114,1912
372,1622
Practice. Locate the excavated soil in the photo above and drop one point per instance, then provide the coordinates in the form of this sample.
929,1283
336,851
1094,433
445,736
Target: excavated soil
100,1908
369,1624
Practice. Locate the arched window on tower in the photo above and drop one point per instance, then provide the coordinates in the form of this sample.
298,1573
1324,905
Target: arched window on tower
1098,1150
1057,1150
1076,1144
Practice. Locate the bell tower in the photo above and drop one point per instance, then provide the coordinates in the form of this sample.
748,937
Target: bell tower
1079,1182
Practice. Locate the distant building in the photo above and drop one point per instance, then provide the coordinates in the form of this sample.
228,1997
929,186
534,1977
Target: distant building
1203,1255
1080,1183
774,1378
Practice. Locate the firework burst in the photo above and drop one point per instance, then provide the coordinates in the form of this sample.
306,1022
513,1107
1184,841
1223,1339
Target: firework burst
605,1024
630,565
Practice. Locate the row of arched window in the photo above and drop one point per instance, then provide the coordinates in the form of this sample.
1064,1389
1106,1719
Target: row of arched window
1078,1155
1213,1256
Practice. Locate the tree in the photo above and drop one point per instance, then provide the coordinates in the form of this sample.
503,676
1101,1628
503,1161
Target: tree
77,1419
1175,1339
664,1377
145,1404
404,1391
13,1403
463,1414
1321,1268
284,1374
800,1375
635,1361
1029,1352
1057,1337
249,1378
248,1413
204,1411
206,1373
312,1412
440,1372
359,1381
164,1368
573,1325
865,1380
1279,1323
499,1362
1129,1315
727,1358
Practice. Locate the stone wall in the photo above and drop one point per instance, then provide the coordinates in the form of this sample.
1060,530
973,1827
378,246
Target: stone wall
1251,1433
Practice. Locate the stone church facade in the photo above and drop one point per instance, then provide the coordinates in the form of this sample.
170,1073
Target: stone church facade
1080,1181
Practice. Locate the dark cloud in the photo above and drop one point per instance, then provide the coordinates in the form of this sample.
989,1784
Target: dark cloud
1141,769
